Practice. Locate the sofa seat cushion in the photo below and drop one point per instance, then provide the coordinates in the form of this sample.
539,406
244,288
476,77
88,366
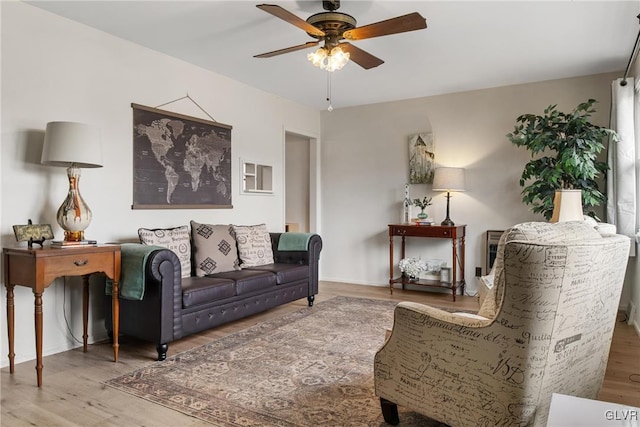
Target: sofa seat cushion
248,281
285,273
202,290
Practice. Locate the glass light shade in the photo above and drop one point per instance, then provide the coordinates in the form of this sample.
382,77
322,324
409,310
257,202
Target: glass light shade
317,57
75,146
332,61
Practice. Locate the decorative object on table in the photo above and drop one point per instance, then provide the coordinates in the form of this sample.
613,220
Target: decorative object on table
406,205
421,158
445,274
74,146
448,179
572,144
33,233
432,269
422,204
411,268
425,221
73,243
179,161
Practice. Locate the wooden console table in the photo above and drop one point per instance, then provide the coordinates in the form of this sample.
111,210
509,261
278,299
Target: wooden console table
455,233
37,268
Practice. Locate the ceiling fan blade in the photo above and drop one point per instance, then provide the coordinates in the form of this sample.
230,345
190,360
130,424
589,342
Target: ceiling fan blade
287,50
285,15
401,24
360,57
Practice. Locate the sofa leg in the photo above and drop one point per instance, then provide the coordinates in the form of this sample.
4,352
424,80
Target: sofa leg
311,298
162,351
389,412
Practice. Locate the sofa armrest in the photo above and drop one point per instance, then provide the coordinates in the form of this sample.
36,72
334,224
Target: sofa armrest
310,257
164,271
157,317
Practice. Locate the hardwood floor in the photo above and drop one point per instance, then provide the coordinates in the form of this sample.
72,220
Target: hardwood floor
73,394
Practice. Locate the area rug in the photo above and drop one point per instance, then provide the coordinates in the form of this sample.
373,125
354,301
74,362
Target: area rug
312,367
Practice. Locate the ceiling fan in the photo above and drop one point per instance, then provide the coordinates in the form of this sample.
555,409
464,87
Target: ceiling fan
333,27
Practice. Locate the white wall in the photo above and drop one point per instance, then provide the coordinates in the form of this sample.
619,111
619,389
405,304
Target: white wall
56,69
365,167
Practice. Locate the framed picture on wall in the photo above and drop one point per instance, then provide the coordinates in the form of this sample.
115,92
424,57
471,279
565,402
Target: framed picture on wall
492,239
421,158
179,162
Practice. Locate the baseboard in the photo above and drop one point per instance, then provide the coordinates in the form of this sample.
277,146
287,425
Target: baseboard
66,346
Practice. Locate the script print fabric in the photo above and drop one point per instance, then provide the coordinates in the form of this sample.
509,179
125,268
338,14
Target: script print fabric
551,333
254,245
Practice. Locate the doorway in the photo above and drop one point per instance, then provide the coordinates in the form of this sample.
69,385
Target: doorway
301,183
296,211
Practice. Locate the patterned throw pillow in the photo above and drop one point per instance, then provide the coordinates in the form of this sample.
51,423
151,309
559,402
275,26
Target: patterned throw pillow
254,245
215,249
175,239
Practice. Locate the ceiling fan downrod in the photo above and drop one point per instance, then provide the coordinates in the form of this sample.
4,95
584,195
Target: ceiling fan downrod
331,5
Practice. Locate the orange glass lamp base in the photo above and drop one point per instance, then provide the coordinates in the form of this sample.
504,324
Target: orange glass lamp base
74,216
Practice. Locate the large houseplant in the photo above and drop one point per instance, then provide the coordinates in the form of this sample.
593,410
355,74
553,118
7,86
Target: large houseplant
570,144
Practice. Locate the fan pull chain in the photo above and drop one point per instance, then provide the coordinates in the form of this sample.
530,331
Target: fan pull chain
329,91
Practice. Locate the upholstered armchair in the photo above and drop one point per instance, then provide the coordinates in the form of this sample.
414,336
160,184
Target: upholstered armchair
544,327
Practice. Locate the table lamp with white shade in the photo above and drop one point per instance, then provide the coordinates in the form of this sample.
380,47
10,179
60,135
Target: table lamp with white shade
74,146
448,179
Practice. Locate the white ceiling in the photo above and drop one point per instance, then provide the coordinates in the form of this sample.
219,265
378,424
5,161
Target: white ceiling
467,45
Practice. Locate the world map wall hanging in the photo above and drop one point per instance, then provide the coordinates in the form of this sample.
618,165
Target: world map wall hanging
179,162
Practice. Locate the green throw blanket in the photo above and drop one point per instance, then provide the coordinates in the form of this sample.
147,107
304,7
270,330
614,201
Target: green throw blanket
133,261
294,241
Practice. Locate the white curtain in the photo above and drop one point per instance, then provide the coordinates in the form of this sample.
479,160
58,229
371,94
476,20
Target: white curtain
623,156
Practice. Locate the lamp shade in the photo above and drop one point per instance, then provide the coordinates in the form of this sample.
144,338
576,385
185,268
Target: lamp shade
69,143
449,179
567,206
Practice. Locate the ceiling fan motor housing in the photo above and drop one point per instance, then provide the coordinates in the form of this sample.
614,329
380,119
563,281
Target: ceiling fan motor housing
332,23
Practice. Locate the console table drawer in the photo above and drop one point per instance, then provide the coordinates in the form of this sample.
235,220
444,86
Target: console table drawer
427,231
75,264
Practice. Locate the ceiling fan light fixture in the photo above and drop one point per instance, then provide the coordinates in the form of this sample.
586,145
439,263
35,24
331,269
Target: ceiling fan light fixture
318,57
332,61
337,59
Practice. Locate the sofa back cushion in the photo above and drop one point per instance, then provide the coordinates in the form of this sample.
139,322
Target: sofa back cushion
214,248
176,239
254,245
